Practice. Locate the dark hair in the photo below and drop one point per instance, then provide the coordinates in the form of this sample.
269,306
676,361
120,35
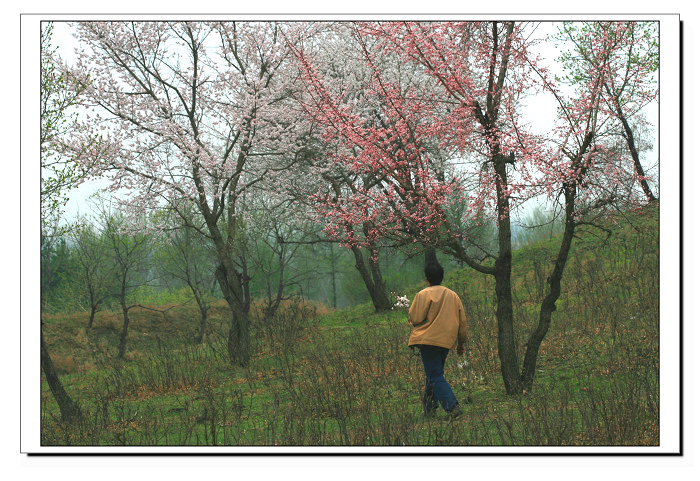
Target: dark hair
434,273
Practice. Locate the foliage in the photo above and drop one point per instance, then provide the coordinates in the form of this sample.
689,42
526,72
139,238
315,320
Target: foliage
59,173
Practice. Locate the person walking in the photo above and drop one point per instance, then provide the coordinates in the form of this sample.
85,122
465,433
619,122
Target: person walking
439,325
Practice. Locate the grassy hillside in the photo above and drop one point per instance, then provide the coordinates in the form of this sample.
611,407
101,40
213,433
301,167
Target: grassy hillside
347,377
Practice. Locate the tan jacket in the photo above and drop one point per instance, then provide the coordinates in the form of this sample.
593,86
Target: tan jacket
438,319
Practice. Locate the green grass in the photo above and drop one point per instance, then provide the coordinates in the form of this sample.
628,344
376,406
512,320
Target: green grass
347,377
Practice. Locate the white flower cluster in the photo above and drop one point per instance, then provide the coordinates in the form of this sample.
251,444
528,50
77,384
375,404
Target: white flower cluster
401,301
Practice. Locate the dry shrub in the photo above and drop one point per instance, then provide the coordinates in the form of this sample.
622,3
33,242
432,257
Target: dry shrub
80,337
65,364
88,366
320,308
110,320
312,308
133,355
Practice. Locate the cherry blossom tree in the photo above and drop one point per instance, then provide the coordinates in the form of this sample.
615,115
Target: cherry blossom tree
467,110
191,112
472,113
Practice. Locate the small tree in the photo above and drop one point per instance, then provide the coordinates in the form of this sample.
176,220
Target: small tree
184,255
92,252
278,231
129,250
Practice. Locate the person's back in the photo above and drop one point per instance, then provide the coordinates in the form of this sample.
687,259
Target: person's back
439,324
438,318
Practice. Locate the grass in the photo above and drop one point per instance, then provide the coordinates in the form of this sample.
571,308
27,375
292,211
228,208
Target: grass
347,377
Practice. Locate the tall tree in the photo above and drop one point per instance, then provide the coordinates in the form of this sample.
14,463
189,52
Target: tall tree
584,175
482,66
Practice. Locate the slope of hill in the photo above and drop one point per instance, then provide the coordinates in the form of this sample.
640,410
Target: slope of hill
347,378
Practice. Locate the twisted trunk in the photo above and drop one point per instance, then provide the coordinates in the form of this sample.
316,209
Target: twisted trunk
93,311
548,305
373,280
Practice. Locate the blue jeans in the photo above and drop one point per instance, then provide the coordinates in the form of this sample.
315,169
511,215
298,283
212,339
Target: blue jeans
437,389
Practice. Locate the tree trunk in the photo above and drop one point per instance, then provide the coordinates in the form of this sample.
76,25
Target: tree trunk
239,339
383,302
203,309
69,409
635,156
373,281
430,256
503,266
238,343
333,275
202,322
504,316
93,311
245,285
125,329
548,305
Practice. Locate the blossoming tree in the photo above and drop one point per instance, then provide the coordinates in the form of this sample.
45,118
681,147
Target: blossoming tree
190,113
356,144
